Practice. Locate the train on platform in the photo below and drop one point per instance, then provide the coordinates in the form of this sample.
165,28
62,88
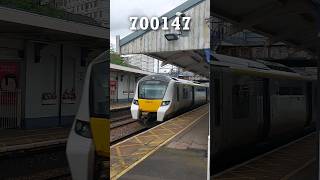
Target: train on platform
252,102
160,97
88,143
257,102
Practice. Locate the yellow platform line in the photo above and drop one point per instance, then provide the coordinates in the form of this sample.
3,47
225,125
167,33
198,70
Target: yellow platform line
116,176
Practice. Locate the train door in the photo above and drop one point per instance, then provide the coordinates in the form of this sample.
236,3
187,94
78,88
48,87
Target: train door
246,110
266,110
216,113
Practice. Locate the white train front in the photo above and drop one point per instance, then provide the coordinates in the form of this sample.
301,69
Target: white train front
161,97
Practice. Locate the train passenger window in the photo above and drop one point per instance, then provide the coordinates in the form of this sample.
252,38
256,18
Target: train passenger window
217,102
178,94
240,101
287,90
201,89
185,93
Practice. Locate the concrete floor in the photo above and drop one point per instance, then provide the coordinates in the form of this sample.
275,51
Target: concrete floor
183,158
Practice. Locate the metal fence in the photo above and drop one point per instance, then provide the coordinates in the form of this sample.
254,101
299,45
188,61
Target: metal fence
10,109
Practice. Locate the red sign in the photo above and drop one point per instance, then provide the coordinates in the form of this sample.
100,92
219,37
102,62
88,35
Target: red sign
113,87
9,76
113,83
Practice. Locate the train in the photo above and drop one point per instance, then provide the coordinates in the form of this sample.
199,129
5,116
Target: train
251,102
160,97
88,143
256,102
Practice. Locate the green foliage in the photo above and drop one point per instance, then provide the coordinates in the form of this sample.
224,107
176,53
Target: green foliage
32,6
46,10
116,59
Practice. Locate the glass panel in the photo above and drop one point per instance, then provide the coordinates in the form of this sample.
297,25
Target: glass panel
240,99
152,89
99,89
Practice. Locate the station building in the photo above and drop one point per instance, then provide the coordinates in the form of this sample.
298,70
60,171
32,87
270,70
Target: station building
43,61
123,81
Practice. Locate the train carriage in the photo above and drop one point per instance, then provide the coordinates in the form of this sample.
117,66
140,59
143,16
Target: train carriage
256,102
161,97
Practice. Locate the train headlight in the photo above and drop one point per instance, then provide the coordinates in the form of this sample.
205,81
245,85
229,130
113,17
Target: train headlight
135,102
83,129
165,103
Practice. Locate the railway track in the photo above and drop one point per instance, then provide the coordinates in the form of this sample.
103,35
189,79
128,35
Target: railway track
123,126
48,162
53,174
124,129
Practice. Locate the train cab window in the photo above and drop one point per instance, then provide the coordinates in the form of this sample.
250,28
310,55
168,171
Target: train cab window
152,89
240,101
99,90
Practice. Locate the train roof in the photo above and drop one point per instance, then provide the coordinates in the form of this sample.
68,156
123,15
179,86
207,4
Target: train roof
257,68
169,78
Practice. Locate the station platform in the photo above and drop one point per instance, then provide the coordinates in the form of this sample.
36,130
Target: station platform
19,139
23,139
175,149
114,106
294,161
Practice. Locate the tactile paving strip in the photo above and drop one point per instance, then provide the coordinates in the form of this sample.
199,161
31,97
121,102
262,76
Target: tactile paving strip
125,155
281,164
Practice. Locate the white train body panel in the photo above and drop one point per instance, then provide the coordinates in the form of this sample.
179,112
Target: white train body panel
80,149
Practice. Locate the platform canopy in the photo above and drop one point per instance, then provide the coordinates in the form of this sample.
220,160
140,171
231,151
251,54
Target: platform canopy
294,22
20,24
187,51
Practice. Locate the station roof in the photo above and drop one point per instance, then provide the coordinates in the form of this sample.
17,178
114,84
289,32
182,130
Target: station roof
32,26
181,52
293,22
171,14
115,67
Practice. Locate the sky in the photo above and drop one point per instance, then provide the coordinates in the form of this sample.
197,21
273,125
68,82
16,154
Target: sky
121,10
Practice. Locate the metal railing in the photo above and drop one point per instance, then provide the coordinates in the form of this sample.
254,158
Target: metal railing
10,109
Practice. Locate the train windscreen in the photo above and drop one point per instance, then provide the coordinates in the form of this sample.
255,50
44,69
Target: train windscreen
98,90
152,89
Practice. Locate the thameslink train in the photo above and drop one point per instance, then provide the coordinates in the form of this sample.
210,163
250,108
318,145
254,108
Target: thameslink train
256,102
161,97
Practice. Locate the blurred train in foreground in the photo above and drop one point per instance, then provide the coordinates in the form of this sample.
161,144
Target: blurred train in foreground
161,97
88,142
257,101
